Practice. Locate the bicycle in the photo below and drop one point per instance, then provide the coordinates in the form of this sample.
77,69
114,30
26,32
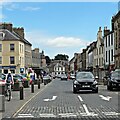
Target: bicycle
8,91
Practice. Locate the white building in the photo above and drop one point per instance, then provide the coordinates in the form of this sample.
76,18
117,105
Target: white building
59,69
109,49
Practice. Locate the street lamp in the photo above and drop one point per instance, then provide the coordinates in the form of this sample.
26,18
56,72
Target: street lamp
97,70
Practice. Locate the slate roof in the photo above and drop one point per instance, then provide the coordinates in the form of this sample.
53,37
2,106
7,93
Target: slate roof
8,35
12,36
59,65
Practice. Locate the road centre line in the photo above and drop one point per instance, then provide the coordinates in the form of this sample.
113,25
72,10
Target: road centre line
80,98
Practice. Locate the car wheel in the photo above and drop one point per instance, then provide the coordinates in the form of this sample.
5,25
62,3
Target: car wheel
96,90
74,90
111,88
108,87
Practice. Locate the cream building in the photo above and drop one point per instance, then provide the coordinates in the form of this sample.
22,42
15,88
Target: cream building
98,54
12,45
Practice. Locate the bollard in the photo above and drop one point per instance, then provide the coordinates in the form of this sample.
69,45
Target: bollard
21,93
38,84
32,87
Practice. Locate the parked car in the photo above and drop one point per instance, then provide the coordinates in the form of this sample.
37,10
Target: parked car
18,81
2,79
114,80
59,76
72,76
46,79
85,81
63,77
2,83
26,83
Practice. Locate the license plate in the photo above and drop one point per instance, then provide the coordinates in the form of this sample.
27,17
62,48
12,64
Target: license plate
85,86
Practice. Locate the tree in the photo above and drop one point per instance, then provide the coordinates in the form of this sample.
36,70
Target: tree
61,57
48,60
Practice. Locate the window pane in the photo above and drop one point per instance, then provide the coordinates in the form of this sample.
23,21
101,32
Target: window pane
12,61
11,47
0,47
0,60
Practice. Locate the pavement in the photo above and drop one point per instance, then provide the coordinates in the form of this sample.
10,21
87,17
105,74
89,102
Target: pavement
8,109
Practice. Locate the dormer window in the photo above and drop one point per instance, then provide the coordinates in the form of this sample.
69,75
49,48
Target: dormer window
2,35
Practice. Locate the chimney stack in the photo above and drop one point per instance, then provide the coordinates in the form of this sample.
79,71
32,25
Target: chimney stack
7,26
19,31
106,31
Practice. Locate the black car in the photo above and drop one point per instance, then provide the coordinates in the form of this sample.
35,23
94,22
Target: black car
114,80
85,81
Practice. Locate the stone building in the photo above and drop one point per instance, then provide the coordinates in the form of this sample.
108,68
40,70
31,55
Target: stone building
15,50
98,53
116,29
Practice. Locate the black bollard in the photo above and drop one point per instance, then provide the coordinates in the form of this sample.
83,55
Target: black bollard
38,84
32,87
21,93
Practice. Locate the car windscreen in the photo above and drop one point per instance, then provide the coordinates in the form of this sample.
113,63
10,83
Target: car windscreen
84,75
2,76
115,74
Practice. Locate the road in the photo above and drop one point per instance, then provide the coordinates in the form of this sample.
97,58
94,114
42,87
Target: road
57,101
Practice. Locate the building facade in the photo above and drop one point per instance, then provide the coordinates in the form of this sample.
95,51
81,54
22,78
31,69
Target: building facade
108,49
99,56
12,49
59,69
116,29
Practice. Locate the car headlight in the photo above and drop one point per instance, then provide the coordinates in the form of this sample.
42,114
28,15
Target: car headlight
95,82
76,82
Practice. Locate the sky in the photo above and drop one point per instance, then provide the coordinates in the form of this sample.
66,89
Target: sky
59,27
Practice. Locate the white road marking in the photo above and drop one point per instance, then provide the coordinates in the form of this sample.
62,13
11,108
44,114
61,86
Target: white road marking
87,113
86,109
24,115
105,98
47,115
53,98
90,114
80,98
67,115
111,113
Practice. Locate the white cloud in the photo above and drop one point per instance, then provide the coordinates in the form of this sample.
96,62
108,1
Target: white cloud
15,6
38,37
31,8
54,45
65,42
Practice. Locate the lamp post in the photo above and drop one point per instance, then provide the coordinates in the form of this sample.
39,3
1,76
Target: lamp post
97,70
